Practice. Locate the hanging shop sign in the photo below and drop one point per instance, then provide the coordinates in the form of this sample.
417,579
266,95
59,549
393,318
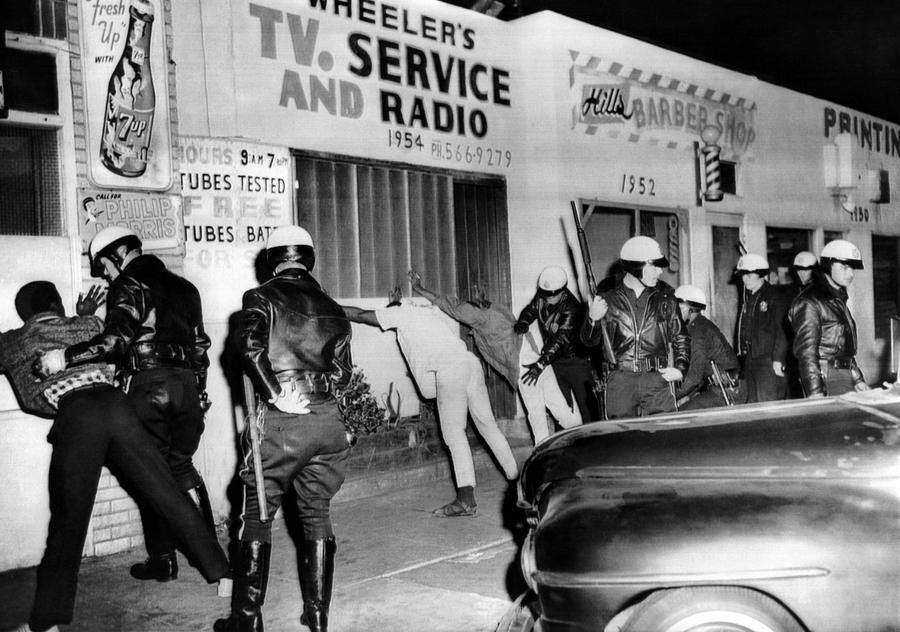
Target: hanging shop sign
234,194
156,218
126,94
638,106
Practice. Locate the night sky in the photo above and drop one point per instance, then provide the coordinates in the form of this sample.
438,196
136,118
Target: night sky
846,52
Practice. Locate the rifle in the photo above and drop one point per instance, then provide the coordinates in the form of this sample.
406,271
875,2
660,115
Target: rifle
592,284
720,382
254,419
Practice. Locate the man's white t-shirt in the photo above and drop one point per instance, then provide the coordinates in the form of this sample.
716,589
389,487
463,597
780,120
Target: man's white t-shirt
425,340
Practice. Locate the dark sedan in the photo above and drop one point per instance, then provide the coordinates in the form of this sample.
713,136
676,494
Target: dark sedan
760,518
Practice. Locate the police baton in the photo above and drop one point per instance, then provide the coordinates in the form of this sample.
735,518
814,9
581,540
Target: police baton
254,419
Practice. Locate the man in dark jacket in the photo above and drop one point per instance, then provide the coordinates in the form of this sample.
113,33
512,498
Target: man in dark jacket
649,341
154,335
295,345
824,330
699,388
762,342
94,425
559,315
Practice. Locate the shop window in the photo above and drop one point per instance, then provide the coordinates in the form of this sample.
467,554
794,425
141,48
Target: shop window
831,235
728,177
29,182
30,82
782,245
607,228
373,223
43,18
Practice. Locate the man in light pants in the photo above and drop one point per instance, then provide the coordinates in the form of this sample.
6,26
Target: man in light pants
509,354
444,369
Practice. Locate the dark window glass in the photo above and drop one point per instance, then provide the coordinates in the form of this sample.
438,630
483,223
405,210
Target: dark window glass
44,18
29,182
29,80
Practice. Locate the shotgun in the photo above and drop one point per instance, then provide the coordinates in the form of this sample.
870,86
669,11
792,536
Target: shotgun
592,284
720,382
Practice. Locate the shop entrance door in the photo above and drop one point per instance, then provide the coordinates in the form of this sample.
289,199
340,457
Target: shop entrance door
482,258
725,290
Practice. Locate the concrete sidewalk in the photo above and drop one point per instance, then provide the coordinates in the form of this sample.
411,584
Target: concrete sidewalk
398,568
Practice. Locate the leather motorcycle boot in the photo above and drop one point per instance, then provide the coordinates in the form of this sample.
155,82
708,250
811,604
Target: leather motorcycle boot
162,568
250,583
316,581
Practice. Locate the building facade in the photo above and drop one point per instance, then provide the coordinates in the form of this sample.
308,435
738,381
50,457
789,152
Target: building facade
403,135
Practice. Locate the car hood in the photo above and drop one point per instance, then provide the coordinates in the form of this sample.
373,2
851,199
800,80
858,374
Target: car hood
854,435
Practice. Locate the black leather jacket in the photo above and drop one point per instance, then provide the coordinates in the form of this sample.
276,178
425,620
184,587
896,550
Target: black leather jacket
824,330
289,325
558,322
642,339
153,319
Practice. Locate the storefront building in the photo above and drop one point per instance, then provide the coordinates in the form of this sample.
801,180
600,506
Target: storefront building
405,135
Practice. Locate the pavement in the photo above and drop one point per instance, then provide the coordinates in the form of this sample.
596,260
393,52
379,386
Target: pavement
398,568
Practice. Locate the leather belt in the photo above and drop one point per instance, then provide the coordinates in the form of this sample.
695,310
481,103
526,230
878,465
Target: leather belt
644,365
839,363
306,382
159,354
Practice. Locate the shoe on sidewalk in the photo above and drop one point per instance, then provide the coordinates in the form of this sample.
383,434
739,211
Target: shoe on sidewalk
163,568
455,509
27,628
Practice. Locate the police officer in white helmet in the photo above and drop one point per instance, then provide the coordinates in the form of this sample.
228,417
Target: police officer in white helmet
645,329
295,345
154,334
708,345
559,315
825,338
804,264
761,331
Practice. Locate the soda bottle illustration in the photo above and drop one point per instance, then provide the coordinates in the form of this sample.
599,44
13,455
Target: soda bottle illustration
130,100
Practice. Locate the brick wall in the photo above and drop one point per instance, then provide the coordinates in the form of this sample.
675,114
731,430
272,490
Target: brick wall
116,522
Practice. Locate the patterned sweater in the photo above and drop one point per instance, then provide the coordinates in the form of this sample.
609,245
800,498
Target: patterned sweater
42,332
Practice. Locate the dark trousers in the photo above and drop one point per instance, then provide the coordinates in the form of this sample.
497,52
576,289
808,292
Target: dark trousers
838,381
630,394
97,426
574,376
711,397
306,452
761,382
168,404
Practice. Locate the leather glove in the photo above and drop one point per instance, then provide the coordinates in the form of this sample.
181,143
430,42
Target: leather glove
49,362
520,327
671,374
292,402
597,308
533,373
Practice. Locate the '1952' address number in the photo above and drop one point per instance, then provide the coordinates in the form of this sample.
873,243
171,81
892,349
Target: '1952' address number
638,185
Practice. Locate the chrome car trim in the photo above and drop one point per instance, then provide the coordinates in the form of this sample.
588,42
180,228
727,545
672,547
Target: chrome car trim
581,580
